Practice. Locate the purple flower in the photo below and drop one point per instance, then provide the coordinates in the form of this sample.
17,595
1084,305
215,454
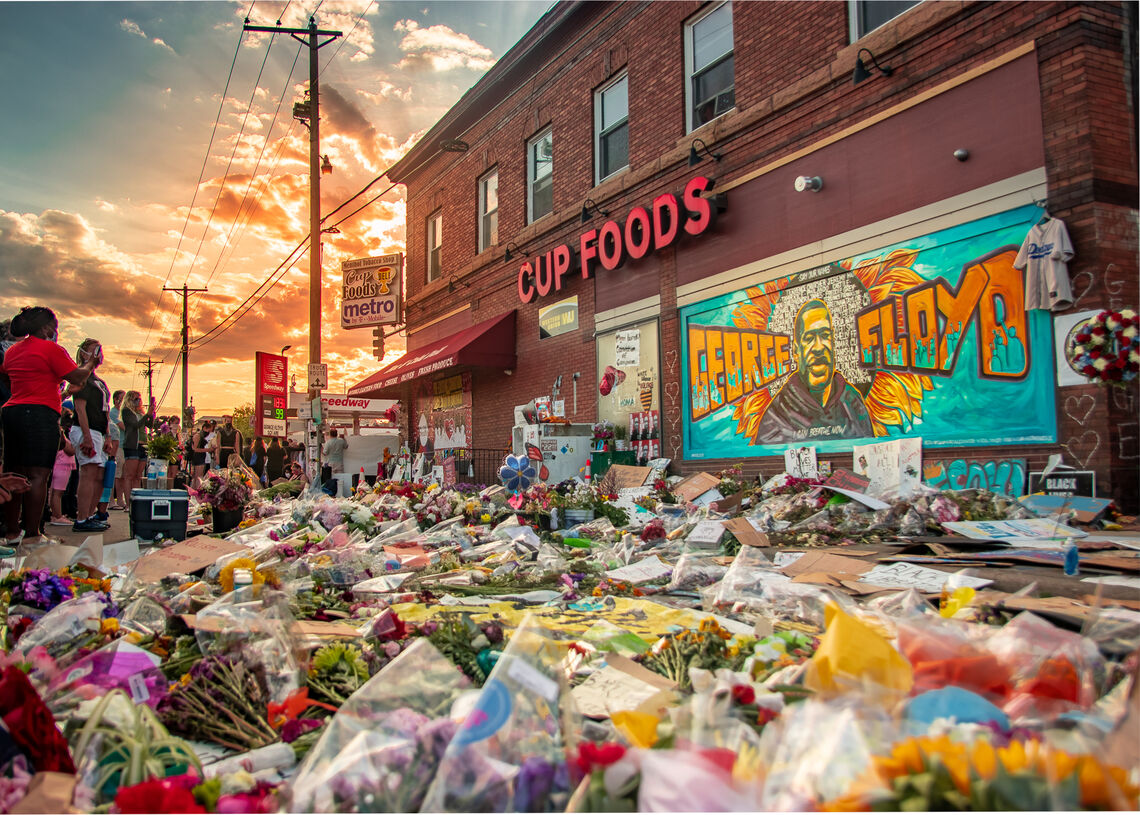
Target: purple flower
295,728
533,784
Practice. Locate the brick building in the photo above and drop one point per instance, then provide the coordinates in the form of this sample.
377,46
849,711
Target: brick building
784,224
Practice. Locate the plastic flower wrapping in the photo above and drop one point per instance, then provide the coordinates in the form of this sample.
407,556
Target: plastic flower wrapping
425,648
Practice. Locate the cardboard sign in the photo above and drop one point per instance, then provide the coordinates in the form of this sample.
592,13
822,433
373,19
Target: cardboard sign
1085,510
746,533
448,471
693,486
1003,530
627,477
183,558
1064,482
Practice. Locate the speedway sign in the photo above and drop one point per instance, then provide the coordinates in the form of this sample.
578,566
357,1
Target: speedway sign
371,293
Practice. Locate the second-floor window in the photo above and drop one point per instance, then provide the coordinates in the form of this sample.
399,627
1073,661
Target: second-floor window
434,245
488,210
708,63
539,175
867,15
611,128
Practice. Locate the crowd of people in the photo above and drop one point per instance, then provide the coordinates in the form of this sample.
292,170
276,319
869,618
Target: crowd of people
72,450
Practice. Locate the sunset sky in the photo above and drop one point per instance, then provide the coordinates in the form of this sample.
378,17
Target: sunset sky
110,109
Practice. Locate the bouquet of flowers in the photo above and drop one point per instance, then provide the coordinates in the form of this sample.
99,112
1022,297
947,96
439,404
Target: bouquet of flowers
226,490
163,446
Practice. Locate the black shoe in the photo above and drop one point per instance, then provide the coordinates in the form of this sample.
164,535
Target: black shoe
90,525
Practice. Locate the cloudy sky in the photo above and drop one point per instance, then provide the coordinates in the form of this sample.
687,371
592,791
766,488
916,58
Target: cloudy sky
127,164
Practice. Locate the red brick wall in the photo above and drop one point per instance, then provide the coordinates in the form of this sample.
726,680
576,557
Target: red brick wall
793,68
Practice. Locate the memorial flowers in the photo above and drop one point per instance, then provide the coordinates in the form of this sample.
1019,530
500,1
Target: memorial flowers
1107,351
225,490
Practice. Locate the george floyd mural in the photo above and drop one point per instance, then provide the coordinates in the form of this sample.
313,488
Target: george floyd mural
929,337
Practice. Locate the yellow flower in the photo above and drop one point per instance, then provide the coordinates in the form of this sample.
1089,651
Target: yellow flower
226,577
485,518
109,626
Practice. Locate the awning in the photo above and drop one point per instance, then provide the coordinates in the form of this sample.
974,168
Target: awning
489,344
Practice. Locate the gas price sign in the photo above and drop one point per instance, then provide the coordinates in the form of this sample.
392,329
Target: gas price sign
272,398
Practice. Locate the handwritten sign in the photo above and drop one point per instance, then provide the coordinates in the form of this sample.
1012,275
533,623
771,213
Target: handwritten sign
913,576
627,348
651,568
800,462
626,477
1002,530
183,558
693,486
706,533
845,479
448,471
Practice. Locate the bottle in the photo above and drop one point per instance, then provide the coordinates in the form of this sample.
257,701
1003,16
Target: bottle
1072,558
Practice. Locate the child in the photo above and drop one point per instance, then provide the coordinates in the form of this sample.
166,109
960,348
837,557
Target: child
60,475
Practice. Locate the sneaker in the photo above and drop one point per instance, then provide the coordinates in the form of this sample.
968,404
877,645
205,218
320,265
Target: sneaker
90,525
102,516
60,521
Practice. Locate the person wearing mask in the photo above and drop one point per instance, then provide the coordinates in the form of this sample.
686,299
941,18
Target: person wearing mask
229,440
136,420
212,460
110,470
257,458
34,367
333,451
90,438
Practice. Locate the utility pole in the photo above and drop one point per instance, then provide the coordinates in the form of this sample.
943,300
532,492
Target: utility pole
185,292
150,366
310,37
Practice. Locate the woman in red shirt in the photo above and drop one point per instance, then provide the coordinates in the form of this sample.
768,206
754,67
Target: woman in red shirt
35,366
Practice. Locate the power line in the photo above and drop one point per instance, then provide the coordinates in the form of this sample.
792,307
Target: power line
201,174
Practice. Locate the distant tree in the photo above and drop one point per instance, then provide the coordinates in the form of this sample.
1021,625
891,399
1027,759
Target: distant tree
243,420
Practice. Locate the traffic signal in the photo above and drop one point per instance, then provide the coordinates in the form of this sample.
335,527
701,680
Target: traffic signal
378,342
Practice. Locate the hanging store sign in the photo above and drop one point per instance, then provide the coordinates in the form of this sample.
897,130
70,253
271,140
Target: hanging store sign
559,318
645,229
272,397
371,293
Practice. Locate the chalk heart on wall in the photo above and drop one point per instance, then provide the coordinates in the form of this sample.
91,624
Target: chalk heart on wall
673,391
1089,286
1073,406
1083,447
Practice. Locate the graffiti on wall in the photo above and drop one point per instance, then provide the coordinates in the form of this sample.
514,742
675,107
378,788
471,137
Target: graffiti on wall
1003,475
928,338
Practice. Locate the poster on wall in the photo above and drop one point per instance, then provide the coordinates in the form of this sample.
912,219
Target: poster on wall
443,414
1065,330
928,337
559,318
628,376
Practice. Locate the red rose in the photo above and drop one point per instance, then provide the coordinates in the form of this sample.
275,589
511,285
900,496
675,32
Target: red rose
1099,331
1113,373
743,694
1115,316
1094,354
1088,370
1100,318
591,755
32,725
1083,338
156,795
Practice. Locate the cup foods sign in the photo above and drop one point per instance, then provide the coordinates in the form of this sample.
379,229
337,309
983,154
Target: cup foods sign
371,291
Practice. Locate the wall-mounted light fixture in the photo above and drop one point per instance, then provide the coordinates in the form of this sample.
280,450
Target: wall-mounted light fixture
454,283
512,250
326,165
861,71
695,154
809,182
588,205
454,146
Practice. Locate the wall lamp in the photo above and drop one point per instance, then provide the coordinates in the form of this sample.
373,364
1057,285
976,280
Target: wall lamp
589,204
695,155
861,71
454,146
809,182
512,250
454,283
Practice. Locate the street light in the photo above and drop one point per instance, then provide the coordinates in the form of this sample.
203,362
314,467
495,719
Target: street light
286,348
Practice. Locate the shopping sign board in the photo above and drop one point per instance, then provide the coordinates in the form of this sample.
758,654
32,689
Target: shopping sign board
272,397
371,291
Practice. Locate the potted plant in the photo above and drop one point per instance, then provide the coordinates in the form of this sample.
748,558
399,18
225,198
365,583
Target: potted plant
225,492
162,448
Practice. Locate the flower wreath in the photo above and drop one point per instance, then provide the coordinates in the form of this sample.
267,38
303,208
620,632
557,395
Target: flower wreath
1107,351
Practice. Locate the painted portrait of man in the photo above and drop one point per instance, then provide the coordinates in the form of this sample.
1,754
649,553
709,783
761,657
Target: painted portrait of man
816,402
